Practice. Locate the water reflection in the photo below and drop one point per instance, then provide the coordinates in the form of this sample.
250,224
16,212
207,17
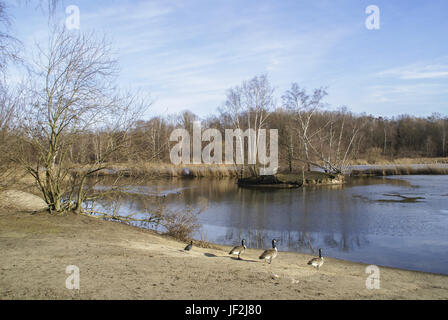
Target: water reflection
351,221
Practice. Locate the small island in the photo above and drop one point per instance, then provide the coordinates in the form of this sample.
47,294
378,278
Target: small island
291,180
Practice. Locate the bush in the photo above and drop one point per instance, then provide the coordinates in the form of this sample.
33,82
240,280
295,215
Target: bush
183,223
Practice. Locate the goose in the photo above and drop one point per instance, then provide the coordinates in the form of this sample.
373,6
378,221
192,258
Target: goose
239,249
188,247
270,254
317,262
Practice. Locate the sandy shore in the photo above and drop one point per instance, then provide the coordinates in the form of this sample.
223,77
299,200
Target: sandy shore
117,261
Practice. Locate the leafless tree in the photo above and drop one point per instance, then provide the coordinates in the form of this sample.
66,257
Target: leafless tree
248,107
72,92
337,143
9,45
328,142
441,124
304,107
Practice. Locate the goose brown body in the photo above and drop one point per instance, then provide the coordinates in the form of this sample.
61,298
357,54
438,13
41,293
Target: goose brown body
317,262
239,250
270,254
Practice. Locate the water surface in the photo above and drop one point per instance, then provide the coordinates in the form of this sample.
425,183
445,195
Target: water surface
399,221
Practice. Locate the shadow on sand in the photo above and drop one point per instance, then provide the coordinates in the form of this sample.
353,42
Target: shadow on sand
242,260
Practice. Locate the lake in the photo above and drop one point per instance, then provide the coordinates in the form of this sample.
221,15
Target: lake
399,221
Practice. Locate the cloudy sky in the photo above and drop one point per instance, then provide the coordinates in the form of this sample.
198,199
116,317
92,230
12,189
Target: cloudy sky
187,53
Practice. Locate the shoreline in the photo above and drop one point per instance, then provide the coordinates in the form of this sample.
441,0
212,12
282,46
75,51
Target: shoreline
227,247
119,261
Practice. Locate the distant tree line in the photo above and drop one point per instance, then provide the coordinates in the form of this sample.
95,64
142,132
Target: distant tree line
377,137
148,140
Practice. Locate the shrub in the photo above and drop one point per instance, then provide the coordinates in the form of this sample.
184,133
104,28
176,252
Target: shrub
182,224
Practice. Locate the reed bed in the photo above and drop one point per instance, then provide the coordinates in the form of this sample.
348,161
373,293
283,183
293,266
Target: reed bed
399,161
169,170
438,166
391,170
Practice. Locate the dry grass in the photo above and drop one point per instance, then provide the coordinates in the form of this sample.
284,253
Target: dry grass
382,167
399,161
169,170
392,170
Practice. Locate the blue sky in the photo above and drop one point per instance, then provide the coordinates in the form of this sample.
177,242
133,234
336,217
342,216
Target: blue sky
188,53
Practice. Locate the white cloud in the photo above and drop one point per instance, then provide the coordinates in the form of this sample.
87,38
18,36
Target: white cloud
406,93
188,58
417,72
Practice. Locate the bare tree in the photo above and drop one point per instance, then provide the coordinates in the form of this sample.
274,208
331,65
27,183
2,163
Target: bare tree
72,92
248,107
9,45
327,139
337,143
304,107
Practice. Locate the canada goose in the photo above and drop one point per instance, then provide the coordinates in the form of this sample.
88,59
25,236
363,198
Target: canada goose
239,249
188,248
270,254
317,262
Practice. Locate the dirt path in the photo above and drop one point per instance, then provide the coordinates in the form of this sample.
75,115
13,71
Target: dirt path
122,262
